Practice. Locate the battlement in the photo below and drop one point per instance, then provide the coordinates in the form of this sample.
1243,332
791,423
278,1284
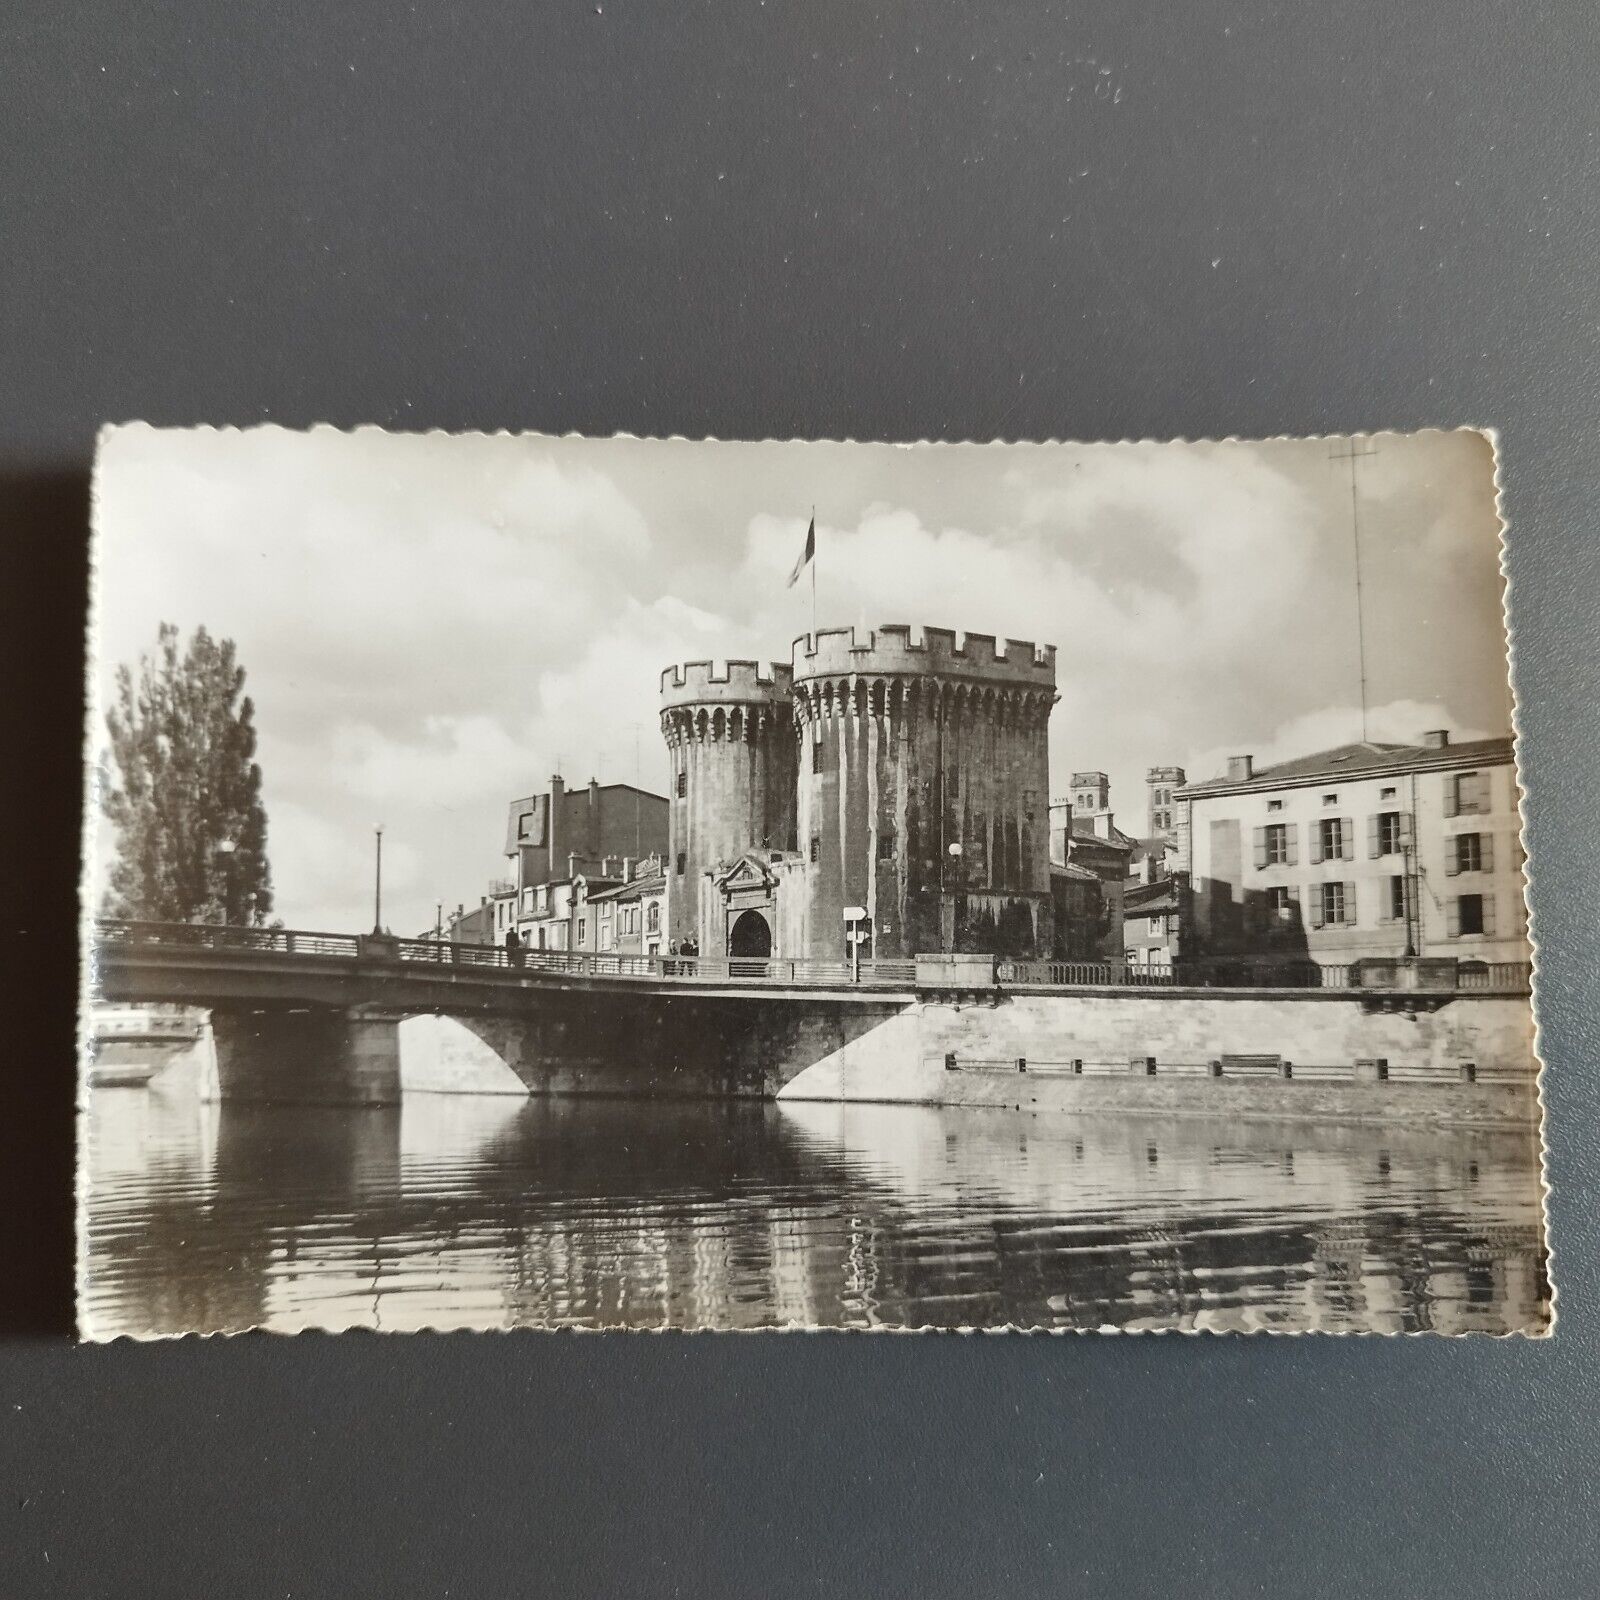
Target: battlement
726,683
896,648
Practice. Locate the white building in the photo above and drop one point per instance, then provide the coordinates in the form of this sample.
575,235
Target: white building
1365,850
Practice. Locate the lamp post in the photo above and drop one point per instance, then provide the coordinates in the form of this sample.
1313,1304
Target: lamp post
377,882
224,849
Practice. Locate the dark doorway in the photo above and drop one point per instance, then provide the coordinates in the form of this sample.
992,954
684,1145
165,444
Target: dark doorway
750,935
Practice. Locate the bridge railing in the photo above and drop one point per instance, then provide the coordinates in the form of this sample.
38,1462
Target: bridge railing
817,973
1485,977
616,964
1490,977
216,936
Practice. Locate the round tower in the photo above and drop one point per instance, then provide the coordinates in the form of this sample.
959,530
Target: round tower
729,728
923,789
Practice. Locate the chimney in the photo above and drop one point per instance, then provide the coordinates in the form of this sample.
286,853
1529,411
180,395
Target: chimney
556,831
1436,739
1241,768
627,869
1102,824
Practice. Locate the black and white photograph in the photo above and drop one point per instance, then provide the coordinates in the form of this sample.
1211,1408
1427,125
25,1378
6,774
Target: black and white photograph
621,883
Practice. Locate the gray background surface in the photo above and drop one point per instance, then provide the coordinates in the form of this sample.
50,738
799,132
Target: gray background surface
824,219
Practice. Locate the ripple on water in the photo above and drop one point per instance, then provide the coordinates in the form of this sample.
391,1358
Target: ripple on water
454,1212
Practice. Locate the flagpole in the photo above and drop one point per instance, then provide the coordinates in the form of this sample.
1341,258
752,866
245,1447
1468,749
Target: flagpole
813,584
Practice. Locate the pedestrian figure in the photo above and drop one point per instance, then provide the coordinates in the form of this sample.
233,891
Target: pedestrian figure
513,947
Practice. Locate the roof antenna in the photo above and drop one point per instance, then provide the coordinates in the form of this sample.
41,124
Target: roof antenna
1354,452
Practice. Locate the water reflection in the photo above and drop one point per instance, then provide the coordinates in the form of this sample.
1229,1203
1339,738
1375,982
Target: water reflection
484,1212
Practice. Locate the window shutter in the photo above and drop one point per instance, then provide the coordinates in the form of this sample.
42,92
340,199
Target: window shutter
1347,838
1316,905
1405,827
1373,850
1452,917
1488,914
1291,831
1316,842
1449,794
1486,852
1452,857
1261,846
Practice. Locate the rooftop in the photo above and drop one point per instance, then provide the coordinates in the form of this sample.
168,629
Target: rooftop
1150,899
1361,760
654,884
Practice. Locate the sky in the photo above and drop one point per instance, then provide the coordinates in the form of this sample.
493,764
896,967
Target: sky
434,624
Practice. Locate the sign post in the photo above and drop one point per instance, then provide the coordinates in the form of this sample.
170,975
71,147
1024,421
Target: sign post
856,934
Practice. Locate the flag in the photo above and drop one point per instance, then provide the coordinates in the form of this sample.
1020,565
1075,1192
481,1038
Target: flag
808,554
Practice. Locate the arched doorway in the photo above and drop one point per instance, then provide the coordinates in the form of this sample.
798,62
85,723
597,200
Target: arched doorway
750,935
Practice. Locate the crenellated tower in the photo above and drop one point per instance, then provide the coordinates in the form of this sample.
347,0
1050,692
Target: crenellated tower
923,789
729,729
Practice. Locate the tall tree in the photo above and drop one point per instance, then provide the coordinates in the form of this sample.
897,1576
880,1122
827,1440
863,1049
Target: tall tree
186,796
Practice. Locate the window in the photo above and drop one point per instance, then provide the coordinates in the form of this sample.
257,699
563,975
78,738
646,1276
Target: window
1331,832
1466,794
1275,845
583,930
1389,834
1274,805
1333,901
1330,799
1155,924
683,862
1469,852
816,755
1387,794
1397,898
886,842
816,848
653,917
1280,904
683,783
1469,914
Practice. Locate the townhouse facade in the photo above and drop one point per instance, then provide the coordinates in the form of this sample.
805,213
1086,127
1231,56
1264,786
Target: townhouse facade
1367,850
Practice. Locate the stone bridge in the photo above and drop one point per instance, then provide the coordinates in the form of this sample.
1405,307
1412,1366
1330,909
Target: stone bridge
319,1017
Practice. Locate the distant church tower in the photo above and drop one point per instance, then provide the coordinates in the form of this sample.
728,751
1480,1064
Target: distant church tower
1091,793
1162,783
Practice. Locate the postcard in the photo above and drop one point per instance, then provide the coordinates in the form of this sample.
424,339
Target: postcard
657,884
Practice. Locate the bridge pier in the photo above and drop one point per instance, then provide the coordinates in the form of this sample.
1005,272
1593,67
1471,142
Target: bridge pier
345,1056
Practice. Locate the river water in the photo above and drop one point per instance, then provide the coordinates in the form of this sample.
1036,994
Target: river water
482,1211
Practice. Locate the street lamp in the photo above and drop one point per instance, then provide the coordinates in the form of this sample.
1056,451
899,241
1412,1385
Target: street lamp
223,849
377,882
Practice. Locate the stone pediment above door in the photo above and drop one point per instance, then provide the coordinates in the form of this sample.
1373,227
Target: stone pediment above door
748,872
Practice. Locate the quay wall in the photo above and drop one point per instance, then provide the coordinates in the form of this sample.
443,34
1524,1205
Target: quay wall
904,1061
